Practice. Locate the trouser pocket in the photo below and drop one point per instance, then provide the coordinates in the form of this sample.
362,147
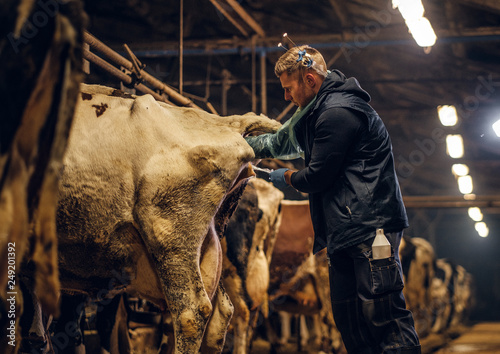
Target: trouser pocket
385,276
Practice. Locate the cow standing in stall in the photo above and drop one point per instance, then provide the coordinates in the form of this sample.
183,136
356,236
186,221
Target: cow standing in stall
247,247
41,68
438,292
146,191
464,297
451,295
300,283
293,290
418,261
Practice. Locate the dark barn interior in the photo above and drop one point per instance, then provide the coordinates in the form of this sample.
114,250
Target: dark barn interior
219,56
228,53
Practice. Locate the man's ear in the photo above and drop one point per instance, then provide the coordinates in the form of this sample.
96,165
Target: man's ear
310,80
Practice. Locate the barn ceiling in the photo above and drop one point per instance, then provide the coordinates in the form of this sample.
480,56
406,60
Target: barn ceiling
367,39
230,47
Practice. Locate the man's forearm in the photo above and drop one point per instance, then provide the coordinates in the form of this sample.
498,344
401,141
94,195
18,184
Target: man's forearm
288,177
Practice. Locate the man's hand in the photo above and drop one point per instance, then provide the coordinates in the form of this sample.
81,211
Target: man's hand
279,179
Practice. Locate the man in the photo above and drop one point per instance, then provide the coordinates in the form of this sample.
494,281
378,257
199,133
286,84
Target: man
353,190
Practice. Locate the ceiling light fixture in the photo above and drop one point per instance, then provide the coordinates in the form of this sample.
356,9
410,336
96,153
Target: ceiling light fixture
482,229
419,26
422,32
459,169
455,146
465,184
410,9
447,115
496,127
475,214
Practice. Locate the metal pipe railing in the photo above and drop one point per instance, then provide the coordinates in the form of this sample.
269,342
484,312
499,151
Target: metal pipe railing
99,46
103,64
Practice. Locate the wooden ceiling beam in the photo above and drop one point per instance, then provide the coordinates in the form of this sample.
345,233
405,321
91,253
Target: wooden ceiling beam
413,92
489,5
340,9
247,18
452,12
386,35
469,32
432,201
231,19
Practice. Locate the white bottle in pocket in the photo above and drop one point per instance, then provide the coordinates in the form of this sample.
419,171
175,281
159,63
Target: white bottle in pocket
381,248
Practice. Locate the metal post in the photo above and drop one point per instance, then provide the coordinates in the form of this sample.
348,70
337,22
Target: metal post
86,64
225,87
263,83
254,76
181,44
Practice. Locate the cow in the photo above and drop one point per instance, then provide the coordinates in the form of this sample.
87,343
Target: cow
418,261
442,295
41,57
306,302
438,292
146,192
463,297
247,248
299,281
292,263
452,295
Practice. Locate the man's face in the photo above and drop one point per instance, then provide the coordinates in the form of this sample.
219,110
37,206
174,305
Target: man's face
296,90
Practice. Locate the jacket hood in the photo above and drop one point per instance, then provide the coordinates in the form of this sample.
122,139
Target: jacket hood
336,81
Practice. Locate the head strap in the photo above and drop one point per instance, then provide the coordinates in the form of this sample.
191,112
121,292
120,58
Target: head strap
305,58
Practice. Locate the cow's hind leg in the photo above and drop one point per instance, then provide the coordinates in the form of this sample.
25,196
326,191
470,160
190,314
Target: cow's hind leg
215,334
176,258
188,304
173,229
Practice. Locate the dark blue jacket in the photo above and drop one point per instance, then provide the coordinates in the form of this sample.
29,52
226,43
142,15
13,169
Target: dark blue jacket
349,175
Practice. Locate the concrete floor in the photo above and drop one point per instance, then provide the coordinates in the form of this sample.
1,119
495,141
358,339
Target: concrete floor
481,338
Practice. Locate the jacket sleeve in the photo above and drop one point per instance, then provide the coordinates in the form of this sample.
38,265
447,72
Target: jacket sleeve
336,132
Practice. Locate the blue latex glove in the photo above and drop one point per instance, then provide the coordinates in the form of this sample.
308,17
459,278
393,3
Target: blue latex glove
277,177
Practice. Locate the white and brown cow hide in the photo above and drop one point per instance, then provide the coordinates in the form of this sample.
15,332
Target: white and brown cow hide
463,297
442,295
40,73
292,263
325,329
452,295
418,262
438,292
299,281
146,191
247,247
